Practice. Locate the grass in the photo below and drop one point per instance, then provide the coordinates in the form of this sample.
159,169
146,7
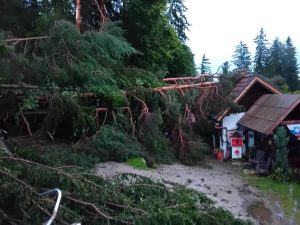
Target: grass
282,191
138,163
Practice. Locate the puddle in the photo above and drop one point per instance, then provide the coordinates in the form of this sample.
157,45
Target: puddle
262,214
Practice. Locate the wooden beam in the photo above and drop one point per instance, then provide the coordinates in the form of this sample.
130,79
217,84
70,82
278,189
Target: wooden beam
288,122
198,77
186,86
26,39
17,86
78,14
101,109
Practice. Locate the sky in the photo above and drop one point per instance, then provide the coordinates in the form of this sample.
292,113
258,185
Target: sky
217,26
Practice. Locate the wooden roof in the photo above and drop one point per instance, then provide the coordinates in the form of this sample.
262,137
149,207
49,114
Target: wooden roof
243,87
269,111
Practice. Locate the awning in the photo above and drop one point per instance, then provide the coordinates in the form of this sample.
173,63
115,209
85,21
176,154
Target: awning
269,111
295,129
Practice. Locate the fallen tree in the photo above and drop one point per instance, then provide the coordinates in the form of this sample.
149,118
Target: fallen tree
127,199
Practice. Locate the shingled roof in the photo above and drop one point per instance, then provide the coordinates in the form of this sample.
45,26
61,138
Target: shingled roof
244,86
246,83
241,86
269,111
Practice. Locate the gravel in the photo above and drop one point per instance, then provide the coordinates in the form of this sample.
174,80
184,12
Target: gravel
221,182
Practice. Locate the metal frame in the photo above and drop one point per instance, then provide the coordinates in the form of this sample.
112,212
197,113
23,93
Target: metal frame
52,191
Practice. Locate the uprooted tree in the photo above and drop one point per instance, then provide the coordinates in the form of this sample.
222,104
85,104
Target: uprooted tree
81,88
79,83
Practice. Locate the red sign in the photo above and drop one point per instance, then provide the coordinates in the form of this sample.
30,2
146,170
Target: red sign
236,142
236,152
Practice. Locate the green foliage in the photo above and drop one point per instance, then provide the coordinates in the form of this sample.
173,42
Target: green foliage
286,193
29,103
15,17
66,116
242,57
113,143
281,140
92,200
110,96
13,64
262,53
197,149
205,65
138,163
225,67
291,66
151,136
176,14
276,59
57,155
85,60
279,82
131,78
182,63
156,38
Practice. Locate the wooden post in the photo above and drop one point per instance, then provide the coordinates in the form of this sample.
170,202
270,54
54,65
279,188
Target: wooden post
78,14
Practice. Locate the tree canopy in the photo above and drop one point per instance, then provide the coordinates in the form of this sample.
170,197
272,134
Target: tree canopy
242,57
262,53
205,65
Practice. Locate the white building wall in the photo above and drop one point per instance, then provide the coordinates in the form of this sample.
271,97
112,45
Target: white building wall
230,122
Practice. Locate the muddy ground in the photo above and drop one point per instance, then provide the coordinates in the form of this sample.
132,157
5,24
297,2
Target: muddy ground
220,181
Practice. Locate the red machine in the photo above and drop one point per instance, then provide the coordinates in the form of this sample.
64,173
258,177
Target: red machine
237,147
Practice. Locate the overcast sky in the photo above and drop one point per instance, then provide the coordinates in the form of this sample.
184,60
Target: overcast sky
217,26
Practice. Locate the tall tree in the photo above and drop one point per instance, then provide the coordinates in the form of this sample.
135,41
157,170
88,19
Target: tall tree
290,66
261,54
275,65
182,63
148,28
242,57
33,17
205,65
16,17
225,67
176,13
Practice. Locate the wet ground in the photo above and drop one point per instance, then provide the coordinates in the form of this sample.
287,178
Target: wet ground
222,182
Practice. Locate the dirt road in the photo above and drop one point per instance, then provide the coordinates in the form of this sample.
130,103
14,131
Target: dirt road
221,182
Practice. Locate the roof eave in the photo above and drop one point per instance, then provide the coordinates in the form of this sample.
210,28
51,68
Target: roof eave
243,93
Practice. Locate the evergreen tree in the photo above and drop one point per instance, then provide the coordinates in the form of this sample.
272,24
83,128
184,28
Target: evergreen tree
281,160
275,65
15,17
261,54
290,66
242,57
176,14
148,29
205,65
225,67
182,63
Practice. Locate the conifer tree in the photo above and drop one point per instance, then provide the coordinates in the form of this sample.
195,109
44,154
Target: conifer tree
261,54
205,65
290,66
242,57
275,65
225,67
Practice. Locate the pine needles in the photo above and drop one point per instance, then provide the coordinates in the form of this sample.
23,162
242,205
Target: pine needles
128,199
